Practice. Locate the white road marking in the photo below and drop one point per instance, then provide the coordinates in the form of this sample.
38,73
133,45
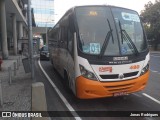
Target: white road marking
154,56
70,108
154,71
155,100
136,94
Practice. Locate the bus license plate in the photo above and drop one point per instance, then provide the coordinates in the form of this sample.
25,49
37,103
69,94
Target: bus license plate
119,94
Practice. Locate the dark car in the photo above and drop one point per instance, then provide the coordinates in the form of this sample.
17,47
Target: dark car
44,53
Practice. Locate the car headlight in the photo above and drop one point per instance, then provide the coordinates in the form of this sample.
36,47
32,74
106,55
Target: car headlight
145,69
87,74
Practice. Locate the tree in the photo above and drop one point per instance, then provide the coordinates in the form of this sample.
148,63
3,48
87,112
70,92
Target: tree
151,19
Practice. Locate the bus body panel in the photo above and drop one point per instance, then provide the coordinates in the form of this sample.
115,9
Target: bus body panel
71,73
63,62
111,80
127,69
87,89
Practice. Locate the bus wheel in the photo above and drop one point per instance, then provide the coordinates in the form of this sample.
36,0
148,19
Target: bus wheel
66,81
52,63
66,84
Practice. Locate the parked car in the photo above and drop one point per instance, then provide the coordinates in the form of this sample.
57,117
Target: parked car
44,53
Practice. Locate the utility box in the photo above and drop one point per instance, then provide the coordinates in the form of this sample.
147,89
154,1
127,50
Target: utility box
26,65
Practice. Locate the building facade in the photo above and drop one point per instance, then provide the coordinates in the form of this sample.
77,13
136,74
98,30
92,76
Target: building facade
43,12
13,26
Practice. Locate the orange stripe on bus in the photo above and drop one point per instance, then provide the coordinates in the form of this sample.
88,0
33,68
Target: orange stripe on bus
87,89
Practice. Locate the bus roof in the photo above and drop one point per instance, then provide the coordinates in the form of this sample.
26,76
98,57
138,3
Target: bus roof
101,6
73,9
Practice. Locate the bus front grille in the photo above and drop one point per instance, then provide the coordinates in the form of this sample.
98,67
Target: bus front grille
116,76
119,88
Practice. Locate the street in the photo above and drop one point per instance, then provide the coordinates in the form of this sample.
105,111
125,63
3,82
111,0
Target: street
58,99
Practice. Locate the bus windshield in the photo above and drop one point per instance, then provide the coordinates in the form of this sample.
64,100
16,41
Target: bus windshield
126,33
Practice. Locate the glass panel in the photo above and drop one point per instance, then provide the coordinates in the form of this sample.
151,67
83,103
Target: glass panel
128,23
94,23
45,48
93,29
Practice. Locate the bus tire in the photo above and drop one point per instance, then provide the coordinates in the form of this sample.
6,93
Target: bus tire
52,63
66,81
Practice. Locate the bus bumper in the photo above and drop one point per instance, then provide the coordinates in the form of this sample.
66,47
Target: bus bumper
88,89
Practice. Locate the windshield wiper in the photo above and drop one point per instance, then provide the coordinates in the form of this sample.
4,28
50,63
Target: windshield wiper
106,41
110,30
121,31
125,35
133,45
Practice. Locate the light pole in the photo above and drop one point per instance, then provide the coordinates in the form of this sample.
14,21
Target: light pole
30,40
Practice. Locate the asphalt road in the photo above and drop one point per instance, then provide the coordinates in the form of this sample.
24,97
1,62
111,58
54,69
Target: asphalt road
146,100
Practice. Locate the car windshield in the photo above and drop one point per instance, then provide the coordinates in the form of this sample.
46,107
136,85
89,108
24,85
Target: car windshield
45,48
95,22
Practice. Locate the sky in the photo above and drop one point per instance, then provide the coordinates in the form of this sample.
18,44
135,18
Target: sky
61,6
43,12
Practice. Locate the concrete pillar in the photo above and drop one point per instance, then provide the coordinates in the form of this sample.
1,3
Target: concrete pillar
3,29
24,32
14,23
20,30
20,35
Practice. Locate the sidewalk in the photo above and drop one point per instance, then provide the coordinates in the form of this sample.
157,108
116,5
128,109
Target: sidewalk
17,95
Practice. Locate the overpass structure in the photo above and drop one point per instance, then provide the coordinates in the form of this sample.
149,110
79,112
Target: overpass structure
37,30
40,30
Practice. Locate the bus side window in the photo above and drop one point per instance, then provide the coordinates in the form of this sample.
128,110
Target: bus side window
61,40
63,33
64,37
53,38
58,37
71,35
70,41
71,23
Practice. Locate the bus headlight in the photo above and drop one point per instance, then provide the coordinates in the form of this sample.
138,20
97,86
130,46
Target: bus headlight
87,74
145,69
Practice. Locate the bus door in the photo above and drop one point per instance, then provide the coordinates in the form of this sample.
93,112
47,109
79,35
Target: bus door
58,52
70,55
63,52
55,52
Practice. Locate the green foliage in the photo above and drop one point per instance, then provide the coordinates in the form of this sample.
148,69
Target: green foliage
151,19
